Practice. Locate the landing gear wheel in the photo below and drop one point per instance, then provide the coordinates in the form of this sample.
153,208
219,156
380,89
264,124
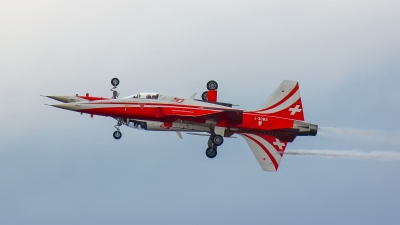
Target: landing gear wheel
217,140
117,134
212,85
204,96
115,82
211,152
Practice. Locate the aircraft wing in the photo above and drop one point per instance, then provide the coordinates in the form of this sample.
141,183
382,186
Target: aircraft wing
267,149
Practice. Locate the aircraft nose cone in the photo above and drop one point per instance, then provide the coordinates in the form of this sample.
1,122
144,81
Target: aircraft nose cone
68,106
65,99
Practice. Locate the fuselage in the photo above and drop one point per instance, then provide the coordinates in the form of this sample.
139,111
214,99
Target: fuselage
151,111
267,130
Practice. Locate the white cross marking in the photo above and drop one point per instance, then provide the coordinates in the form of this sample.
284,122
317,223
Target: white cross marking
279,144
295,110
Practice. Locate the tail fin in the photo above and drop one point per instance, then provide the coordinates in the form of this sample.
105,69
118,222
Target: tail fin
284,102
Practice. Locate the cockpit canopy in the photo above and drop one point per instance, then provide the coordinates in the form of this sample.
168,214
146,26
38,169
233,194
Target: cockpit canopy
145,95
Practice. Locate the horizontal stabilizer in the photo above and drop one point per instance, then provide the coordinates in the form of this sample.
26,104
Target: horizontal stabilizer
267,149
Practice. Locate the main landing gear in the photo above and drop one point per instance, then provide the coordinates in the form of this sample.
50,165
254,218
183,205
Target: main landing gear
213,142
211,85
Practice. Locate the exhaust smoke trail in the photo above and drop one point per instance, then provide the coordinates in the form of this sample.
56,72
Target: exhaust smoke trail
366,135
348,154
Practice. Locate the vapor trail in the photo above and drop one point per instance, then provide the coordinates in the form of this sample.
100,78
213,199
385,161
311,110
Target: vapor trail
366,135
348,154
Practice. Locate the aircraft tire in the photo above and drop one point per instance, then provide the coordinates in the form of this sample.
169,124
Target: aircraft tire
212,85
117,135
211,152
217,140
204,96
115,82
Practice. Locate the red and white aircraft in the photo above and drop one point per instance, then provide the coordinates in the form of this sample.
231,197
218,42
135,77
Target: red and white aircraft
267,130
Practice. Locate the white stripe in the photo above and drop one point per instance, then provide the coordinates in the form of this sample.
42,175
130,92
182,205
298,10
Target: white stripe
269,147
96,106
294,98
199,105
286,86
259,153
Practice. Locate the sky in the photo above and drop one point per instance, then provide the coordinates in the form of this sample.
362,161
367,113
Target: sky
60,167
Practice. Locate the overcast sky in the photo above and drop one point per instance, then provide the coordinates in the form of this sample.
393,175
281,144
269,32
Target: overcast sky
60,167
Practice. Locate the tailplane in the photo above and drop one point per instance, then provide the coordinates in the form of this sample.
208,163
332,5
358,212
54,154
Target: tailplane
267,149
284,102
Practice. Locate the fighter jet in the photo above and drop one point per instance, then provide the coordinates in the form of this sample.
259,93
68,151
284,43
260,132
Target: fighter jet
267,130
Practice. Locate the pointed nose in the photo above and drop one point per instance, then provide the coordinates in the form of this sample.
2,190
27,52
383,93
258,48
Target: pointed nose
68,106
66,99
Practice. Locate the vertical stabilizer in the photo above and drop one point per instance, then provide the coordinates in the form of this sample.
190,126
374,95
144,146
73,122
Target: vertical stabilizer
284,102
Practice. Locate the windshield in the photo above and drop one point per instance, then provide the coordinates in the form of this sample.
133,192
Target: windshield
146,95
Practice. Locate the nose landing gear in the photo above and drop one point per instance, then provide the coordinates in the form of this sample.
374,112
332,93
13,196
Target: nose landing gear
211,86
117,134
114,83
